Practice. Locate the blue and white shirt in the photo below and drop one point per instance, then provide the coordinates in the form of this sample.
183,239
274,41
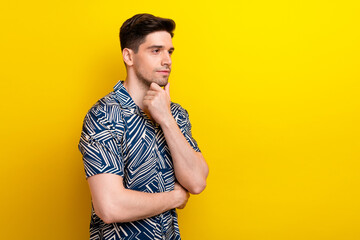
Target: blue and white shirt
119,138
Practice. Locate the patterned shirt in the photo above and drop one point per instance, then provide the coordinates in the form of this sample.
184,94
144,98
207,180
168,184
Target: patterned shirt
119,138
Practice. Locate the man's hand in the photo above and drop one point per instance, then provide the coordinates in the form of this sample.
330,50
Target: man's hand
157,103
181,195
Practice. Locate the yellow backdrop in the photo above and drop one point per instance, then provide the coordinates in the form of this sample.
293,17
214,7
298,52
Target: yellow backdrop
272,89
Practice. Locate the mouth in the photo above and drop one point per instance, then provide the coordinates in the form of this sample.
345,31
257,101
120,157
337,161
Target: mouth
164,72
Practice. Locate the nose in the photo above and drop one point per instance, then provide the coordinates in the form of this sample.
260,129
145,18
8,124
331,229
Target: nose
166,59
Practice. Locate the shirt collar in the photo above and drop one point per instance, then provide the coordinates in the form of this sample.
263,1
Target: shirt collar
123,96
125,100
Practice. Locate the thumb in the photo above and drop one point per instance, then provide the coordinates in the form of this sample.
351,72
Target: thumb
167,89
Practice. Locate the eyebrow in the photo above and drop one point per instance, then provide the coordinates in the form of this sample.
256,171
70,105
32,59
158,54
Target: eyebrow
159,46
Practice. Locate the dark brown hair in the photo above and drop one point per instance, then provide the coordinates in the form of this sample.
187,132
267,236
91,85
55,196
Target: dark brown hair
134,30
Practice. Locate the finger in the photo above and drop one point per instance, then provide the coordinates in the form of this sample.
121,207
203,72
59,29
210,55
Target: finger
148,97
167,89
146,102
151,93
155,86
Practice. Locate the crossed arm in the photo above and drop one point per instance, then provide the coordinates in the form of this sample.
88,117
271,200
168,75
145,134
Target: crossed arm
114,203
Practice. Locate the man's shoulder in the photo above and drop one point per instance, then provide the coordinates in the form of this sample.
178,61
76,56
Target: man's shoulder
176,108
105,107
178,112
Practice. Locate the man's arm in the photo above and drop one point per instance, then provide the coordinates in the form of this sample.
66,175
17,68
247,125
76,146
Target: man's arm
190,167
114,203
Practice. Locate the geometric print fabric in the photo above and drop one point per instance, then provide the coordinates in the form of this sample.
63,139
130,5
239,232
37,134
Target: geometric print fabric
119,138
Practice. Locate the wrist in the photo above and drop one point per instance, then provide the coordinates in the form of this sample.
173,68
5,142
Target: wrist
173,199
167,122
179,198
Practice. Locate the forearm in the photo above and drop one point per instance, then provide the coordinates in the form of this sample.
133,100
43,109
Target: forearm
134,205
190,167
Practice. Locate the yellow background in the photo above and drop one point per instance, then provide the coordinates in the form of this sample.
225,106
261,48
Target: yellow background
272,88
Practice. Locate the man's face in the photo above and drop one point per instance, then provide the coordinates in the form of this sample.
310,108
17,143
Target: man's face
152,62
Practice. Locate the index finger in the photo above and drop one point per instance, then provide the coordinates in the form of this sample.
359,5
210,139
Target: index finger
155,86
167,89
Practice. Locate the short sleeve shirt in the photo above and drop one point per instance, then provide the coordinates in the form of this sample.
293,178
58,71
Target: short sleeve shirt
119,138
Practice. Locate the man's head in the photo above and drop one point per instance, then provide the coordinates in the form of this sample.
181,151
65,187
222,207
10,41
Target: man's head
134,30
146,43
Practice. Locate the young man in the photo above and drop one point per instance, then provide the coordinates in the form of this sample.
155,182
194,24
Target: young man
140,159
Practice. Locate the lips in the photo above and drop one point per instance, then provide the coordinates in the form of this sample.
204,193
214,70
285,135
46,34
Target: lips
164,71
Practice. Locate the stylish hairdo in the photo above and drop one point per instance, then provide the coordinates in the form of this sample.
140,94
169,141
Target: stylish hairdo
134,30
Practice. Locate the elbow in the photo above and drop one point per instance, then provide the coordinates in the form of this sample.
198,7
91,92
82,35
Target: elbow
106,218
198,188
104,214
200,185
107,214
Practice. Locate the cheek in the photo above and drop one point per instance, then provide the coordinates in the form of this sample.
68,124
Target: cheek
150,64
147,64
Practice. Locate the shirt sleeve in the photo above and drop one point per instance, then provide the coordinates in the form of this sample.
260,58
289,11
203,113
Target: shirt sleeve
98,145
183,121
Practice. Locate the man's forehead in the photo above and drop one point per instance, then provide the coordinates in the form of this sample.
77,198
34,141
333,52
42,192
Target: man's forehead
160,38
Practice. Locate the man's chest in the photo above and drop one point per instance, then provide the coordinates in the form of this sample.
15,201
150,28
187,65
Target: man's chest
147,160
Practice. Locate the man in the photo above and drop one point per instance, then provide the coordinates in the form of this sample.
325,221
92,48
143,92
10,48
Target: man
140,159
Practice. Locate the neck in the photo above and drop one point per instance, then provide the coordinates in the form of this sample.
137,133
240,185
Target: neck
136,88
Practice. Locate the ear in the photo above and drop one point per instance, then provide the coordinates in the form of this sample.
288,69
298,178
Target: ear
128,56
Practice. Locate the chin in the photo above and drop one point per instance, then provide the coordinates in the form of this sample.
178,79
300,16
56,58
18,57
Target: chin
162,82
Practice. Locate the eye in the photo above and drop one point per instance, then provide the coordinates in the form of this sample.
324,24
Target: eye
156,51
171,52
